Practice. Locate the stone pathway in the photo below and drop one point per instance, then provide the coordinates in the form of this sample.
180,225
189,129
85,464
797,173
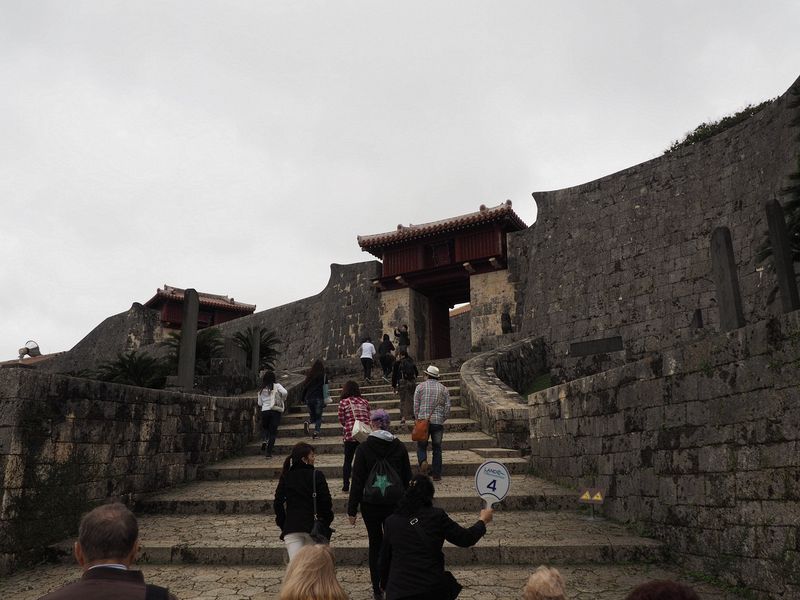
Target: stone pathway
208,582
216,537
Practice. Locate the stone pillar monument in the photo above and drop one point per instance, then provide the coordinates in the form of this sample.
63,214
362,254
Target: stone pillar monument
723,268
186,354
782,256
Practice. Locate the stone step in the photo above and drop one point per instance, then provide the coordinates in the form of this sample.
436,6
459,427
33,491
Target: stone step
496,582
331,427
456,463
333,445
496,452
380,386
514,538
255,496
390,402
456,412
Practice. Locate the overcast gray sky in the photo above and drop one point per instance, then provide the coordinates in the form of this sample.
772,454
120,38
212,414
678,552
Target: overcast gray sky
240,147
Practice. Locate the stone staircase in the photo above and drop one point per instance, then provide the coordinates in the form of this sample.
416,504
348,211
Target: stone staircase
216,537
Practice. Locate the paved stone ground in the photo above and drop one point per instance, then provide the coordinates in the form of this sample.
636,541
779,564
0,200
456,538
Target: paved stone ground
203,582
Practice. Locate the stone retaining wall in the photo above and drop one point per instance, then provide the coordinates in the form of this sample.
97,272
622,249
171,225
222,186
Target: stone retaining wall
697,445
490,386
628,254
68,443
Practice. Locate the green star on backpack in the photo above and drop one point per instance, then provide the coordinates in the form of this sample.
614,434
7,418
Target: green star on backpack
383,485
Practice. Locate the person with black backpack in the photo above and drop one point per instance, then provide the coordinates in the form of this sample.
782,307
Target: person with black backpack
381,472
404,382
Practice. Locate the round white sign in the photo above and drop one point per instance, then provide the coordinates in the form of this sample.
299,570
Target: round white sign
492,481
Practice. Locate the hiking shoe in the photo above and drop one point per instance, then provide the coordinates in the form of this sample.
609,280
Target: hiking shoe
305,427
315,435
346,488
263,446
424,468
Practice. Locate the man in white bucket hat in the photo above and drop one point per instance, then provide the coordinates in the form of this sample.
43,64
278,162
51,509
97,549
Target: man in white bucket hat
432,402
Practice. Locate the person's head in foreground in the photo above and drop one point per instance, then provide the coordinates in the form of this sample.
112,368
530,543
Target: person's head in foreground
545,583
108,534
311,575
663,589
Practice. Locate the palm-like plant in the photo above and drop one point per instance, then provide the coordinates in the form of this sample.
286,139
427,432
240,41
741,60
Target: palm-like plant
268,351
209,345
134,368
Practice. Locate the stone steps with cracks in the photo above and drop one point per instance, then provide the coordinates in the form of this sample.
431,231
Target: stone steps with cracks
513,538
329,444
456,463
263,582
254,496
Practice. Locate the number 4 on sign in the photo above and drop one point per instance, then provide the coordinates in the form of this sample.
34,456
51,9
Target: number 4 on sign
492,482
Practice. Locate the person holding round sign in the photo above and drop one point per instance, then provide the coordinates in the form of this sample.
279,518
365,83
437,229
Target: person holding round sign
412,561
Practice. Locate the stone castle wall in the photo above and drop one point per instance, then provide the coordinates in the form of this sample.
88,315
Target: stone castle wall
329,325
628,254
136,328
68,443
697,445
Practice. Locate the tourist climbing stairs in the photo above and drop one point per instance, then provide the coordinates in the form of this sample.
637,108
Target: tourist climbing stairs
216,537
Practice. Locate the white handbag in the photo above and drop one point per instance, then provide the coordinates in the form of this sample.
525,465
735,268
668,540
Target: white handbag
361,430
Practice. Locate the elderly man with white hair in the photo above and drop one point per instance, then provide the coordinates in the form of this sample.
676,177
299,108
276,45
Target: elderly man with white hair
432,402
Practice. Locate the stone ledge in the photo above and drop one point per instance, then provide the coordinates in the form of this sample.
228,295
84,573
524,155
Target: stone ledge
487,394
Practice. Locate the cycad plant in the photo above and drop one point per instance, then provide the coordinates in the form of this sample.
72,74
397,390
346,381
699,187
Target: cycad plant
209,345
268,347
134,368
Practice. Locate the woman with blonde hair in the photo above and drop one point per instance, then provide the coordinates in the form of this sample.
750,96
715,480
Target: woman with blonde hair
546,583
311,575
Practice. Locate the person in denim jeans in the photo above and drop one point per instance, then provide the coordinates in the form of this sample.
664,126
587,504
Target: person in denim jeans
313,396
432,402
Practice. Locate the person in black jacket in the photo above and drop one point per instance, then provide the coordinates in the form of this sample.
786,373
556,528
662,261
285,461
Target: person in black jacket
294,502
380,445
411,559
313,396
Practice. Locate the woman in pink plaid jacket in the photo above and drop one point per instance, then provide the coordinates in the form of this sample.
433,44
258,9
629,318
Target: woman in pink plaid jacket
351,407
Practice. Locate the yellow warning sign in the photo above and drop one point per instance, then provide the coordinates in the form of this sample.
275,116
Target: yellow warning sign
592,496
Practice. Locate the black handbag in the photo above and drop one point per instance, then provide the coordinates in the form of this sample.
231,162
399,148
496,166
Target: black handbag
321,532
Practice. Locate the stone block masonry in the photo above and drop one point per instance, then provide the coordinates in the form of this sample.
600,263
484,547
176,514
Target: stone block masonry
628,254
329,325
68,443
698,445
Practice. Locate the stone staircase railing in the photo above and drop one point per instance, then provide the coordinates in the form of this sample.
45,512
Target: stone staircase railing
488,388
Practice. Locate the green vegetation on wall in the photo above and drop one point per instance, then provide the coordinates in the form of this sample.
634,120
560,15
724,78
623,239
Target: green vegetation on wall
706,130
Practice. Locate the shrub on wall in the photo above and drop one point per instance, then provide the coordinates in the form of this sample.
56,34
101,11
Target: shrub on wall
712,128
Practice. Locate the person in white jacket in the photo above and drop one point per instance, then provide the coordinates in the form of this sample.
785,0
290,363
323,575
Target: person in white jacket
271,401
367,353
